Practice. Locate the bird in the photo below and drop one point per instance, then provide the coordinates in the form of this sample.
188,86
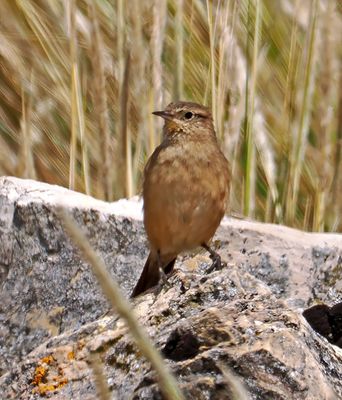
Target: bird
185,190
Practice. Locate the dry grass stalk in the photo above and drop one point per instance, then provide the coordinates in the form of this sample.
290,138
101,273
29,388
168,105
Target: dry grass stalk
100,103
168,383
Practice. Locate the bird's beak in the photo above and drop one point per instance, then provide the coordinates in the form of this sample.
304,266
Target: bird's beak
164,114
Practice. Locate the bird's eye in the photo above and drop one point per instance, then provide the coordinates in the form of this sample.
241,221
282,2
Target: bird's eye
188,115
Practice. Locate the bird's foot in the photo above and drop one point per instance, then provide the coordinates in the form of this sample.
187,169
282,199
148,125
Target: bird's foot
216,260
163,282
163,277
216,264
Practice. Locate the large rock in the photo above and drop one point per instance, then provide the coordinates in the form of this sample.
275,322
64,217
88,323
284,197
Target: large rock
246,318
45,287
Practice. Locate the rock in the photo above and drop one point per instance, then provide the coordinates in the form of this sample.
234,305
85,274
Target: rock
46,287
245,319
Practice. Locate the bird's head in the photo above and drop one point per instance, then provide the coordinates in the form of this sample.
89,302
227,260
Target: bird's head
185,117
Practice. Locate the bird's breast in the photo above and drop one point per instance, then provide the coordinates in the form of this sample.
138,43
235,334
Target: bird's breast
185,191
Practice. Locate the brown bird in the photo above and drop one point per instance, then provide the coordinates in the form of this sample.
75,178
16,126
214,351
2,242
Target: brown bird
185,190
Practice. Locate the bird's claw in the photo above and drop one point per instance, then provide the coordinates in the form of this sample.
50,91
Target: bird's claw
163,282
216,263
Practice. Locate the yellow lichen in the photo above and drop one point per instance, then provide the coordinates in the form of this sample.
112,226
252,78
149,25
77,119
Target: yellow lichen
39,375
41,379
48,359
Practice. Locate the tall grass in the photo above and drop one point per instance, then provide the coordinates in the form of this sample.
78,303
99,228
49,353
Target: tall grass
79,80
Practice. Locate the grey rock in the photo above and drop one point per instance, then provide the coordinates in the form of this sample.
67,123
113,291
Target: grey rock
45,287
245,318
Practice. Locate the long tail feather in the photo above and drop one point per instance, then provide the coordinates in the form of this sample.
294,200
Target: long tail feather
150,275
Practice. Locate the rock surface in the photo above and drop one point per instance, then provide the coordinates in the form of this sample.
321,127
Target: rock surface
246,318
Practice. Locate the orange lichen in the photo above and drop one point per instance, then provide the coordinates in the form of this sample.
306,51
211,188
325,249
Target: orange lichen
43,389
41,379
71,355
39,375
48,359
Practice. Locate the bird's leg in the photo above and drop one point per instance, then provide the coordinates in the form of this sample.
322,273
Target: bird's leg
163,276
215,257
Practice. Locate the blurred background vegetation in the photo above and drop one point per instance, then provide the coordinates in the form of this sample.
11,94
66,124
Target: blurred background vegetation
80,78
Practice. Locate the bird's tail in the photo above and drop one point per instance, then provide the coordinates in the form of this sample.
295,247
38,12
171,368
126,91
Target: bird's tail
150,275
